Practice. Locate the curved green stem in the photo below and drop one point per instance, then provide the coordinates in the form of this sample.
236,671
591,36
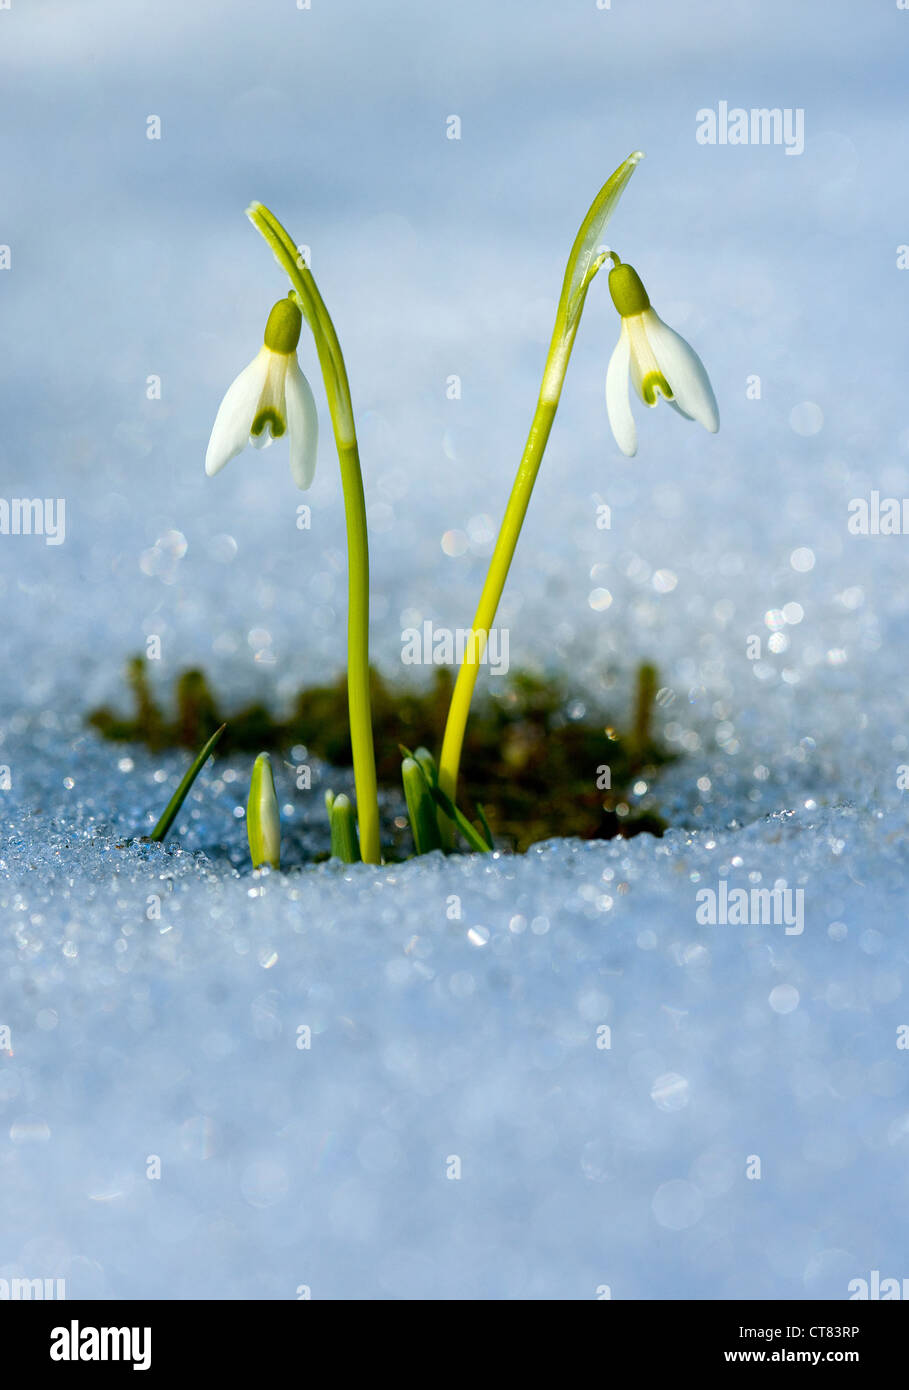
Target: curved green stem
337,390
499,565
583,263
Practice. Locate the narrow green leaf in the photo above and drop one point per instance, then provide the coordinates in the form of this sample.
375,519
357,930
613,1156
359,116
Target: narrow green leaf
420,807
470,833
481,812
173,806
428,764
581,261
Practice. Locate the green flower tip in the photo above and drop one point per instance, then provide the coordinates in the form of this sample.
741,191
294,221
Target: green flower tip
341,805
628,293
652,383
343,825
282,332
263,823
268,416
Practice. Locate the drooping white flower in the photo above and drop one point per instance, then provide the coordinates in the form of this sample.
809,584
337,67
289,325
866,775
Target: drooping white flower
658,360
269,398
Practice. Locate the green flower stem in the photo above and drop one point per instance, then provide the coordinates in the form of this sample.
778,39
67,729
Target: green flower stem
459,709
337,390
172,808
583,264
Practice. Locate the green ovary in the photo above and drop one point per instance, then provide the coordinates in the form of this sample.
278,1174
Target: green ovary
628,294
282,331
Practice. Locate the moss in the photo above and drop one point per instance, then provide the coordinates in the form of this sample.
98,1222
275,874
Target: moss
531,765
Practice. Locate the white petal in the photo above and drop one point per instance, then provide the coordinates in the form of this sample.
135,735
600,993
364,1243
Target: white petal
302,426
684,371
230,432
644,366
618,406
678,410
271,401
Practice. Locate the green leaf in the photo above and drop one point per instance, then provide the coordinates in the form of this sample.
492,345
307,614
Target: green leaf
173,806
470,833
481,812
581,262
428,764
420,807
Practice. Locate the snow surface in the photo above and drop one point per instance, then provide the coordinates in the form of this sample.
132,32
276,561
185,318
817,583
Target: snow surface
477,1038
434,1036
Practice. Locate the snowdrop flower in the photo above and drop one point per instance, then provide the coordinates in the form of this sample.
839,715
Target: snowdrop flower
659,362
270,397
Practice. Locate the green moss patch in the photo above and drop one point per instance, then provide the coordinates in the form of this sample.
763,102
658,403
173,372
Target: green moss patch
533,755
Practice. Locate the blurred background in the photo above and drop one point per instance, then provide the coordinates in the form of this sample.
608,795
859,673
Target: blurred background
131,259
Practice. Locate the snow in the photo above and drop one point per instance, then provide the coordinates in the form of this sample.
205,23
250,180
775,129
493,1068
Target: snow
455,1011
395,1082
